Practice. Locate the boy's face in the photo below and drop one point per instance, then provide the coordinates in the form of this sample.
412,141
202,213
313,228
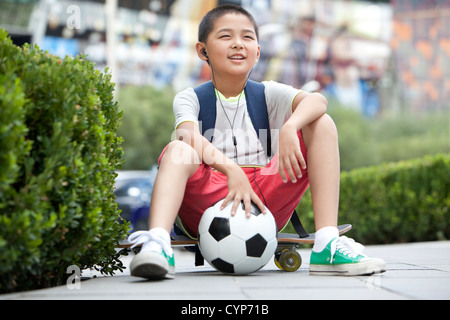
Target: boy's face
232,46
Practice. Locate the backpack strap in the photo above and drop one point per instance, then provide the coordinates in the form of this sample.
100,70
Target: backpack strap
207,116
298,226
256,107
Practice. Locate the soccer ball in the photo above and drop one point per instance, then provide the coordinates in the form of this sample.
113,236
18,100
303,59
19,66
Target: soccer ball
237,245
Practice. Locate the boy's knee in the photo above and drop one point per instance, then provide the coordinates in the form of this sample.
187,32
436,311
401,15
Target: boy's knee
325,122
179,152
176,145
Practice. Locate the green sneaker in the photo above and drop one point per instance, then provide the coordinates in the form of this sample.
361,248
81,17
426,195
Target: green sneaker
343,257
156,259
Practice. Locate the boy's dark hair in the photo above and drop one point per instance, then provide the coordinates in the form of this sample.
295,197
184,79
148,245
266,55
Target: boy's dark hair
207,23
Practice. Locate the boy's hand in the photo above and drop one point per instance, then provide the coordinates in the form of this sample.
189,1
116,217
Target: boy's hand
240,190
290,157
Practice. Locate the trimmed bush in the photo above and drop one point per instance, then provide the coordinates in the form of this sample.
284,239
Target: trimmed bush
58,155
395,202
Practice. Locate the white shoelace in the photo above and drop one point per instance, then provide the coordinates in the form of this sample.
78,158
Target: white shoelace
146,238
346,246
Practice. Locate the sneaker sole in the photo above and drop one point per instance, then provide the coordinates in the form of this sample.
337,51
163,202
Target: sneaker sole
364,268
151,266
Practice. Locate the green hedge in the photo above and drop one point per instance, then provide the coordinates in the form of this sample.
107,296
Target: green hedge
395,202
58,155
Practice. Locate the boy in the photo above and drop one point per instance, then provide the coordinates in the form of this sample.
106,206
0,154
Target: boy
195,173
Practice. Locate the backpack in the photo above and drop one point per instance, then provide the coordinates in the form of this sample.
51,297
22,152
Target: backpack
256,107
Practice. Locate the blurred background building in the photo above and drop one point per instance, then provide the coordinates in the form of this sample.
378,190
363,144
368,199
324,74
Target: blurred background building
369,56
421,53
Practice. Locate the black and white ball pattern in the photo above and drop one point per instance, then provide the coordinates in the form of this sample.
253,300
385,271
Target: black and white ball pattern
237,245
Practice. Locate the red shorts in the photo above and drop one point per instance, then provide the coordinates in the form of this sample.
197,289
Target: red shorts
207,186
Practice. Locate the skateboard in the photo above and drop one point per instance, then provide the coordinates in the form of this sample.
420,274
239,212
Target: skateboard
286,257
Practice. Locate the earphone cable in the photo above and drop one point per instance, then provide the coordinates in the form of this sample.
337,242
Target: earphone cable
237,108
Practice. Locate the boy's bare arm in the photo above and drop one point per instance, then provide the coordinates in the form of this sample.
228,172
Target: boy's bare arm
239,188
188,132
307,107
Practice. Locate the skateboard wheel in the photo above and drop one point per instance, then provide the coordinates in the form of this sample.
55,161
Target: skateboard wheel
276,259
288,260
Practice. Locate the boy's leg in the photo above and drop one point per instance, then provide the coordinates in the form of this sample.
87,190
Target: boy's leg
156,259
331,254
177,165
321,141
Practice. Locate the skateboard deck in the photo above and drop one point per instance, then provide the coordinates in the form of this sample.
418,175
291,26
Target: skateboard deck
286,257
283,239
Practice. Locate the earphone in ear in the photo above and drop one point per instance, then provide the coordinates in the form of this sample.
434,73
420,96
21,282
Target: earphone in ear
205,54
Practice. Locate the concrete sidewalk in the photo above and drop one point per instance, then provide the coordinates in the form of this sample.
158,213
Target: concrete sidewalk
414,271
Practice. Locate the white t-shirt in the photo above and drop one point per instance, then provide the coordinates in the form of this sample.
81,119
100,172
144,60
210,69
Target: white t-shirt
249,150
